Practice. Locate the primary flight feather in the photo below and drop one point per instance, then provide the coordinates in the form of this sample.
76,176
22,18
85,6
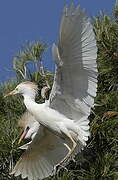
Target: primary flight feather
75,84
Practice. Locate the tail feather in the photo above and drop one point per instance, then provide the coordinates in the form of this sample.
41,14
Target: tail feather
83,130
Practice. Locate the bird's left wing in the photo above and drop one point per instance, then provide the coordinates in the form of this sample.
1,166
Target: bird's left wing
75,80
41,155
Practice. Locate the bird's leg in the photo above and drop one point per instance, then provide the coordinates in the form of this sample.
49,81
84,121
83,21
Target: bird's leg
70,150
60,165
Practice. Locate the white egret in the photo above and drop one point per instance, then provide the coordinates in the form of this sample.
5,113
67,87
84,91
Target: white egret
75,83
43,152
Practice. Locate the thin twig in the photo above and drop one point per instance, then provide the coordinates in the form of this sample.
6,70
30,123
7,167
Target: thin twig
44,75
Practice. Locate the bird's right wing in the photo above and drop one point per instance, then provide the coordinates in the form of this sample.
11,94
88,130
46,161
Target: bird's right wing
41,155
75,81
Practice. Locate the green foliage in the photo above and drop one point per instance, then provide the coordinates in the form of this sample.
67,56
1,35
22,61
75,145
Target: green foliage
99,160
10,110
32,52
106,30
116,11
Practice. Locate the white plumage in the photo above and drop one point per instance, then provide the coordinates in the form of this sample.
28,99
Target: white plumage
74,88
42,153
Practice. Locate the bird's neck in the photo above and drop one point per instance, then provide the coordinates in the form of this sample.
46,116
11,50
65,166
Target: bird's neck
30,103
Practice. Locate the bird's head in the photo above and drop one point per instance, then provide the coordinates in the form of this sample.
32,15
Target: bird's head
30,126
24,88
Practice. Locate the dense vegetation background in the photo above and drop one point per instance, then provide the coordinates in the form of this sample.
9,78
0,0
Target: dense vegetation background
99,160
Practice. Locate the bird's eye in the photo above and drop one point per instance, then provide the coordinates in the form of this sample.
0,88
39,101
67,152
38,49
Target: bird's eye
27,128
16,89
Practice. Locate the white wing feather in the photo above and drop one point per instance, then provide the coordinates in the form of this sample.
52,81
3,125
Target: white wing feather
40,157
73,93
75,81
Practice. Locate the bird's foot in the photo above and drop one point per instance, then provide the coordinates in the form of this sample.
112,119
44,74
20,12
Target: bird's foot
58,169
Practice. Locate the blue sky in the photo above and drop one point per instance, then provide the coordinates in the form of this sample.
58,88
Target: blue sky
30,20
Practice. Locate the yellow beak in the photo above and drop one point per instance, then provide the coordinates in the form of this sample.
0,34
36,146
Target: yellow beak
22,137
10,93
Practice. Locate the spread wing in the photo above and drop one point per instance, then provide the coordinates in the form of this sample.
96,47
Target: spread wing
75,80
40,157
